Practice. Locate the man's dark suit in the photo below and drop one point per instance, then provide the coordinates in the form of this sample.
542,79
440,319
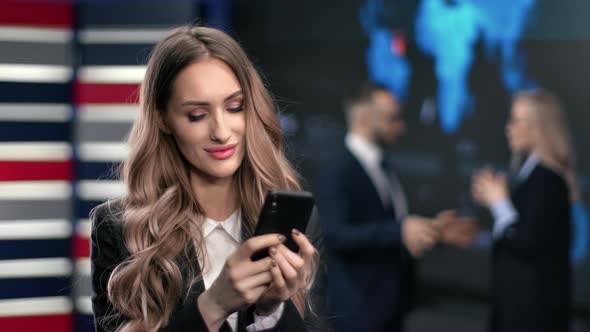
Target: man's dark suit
531,269
109,250
371,274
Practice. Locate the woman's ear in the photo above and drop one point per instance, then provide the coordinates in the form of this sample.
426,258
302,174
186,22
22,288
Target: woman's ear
163,123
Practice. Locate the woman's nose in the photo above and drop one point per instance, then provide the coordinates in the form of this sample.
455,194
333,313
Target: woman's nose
219,130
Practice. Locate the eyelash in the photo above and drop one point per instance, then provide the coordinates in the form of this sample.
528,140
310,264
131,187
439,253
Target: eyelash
236,109
194,118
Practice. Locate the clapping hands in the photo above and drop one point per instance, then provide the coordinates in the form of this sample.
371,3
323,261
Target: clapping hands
489,187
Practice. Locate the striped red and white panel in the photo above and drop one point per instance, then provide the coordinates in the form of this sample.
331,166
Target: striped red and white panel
36,166
68,96
113,52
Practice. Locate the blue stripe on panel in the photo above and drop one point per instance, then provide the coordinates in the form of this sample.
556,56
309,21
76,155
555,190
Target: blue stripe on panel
83,208
217,13
11,92
83,323
34,287
34,132
96,170
127,14
114,54
23,249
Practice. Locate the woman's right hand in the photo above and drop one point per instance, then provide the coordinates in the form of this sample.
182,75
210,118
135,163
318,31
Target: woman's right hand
489,187
240,283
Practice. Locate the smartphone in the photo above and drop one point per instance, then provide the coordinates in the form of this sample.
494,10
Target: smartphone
282,211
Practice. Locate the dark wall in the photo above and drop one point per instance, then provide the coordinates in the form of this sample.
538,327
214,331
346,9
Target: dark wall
312,54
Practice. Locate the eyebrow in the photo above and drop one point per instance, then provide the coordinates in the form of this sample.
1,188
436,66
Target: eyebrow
204,103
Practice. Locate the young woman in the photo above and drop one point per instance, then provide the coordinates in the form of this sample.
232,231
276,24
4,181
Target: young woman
531,265
174,253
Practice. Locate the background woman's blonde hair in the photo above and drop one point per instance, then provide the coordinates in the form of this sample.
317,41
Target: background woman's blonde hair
551,137
161,217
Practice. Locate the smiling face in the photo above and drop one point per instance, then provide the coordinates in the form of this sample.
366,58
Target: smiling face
206,117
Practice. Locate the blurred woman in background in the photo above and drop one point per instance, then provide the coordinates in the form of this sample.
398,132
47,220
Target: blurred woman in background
174,254
531,264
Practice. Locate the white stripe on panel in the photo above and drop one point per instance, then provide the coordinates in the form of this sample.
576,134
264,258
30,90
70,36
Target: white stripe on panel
102,151
108,113
99,190
83,267
118,36
83,228
111,74
35,73
35,268
38,35
35,151
35,229
84,305
34,306
35,112
35,190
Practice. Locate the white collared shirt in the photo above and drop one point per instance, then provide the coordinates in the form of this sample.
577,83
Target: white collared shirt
222,238
528,167
503,211
388,185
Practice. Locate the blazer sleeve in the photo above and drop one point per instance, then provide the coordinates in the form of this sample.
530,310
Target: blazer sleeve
543,218
345,235
316,314
104,256
108,251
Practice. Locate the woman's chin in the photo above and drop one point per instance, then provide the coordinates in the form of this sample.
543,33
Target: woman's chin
515,148
216,172
225,170
520,150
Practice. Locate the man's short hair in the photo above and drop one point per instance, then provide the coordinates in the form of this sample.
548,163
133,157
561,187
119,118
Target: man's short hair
363,94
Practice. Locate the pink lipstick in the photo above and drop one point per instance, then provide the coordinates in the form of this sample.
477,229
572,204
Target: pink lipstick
222,152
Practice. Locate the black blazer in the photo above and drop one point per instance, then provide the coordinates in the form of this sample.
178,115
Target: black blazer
371,279
531,267
108,250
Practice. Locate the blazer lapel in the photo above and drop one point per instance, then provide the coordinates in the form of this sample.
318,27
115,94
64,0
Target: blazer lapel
358,168
515,183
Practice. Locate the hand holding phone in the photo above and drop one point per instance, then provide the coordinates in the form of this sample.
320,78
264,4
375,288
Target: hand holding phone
281,213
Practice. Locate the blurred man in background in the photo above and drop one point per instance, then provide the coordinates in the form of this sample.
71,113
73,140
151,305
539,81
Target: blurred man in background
371,239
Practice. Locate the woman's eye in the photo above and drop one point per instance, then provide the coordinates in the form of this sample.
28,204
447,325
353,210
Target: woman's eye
196,117
235,108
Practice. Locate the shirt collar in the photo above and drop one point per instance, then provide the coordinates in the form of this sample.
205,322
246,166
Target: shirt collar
528,166
232,226
363,149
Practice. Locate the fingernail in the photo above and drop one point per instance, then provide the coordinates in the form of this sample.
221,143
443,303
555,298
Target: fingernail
282,238
272,250
273,263
296,232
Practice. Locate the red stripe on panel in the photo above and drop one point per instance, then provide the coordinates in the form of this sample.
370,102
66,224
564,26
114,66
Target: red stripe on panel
93,93
36,170
37,13
49,323
81,247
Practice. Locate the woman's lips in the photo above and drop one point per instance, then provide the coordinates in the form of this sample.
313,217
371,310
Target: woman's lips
222,152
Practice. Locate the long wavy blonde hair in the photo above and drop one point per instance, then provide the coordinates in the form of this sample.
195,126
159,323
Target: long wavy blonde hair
161,217
550,133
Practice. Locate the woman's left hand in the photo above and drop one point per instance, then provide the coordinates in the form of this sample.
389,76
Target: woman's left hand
290,272
489,188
